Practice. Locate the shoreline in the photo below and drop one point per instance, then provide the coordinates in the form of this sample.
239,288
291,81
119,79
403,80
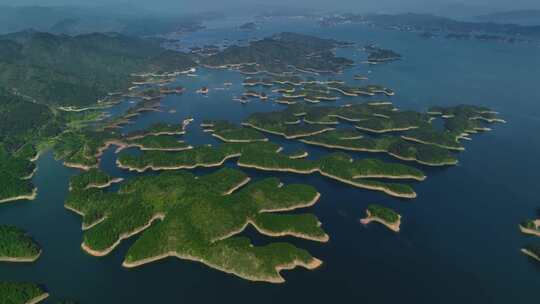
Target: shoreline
530,231
349,182
106,185
314,143
29,197
238,140
433,144
375,188
38,298
123,236
392,226
386,130
287,136
238,186
156,168
313,264
299,156
530,254
21,259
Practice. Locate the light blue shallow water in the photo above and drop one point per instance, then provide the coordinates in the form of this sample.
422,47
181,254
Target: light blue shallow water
459,240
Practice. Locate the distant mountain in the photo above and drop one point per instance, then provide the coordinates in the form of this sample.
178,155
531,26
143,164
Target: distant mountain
427,22
65,70
524,17
78,20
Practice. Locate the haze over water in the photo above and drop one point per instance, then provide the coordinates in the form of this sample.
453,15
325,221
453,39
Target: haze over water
459,241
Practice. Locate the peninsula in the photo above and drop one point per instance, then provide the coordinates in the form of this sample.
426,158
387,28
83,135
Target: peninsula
173,211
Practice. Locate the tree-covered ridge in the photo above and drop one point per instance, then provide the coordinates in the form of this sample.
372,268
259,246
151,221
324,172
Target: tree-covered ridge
267,156
158,142
79,70
83,148
198,220
229,132
459,122
21,292
395,146
281,54
93,178
295,89
22,121
15,172
16,245
408,135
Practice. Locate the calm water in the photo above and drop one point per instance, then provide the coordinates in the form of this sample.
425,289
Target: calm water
459,239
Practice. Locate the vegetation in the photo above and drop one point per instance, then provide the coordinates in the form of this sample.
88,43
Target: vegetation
82,149
280,54
229,132
158,129
200,219
392,145
93,178
158,142
386,214
391,121
15,172
79,70
379,55
19,292
17,244
266,156
22,121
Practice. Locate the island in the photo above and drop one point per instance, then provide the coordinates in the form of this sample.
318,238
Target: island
199,218
281,54
530,227
406,135
382,215
22,293
378,55
229,132
267,156
17,246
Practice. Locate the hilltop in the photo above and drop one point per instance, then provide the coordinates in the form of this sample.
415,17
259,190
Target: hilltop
77,71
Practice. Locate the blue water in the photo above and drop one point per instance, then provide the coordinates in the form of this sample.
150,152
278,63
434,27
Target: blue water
459,241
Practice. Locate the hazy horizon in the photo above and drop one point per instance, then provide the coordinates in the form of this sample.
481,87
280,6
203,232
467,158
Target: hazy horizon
440,7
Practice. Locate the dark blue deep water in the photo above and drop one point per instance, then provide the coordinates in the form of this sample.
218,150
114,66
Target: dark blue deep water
459,241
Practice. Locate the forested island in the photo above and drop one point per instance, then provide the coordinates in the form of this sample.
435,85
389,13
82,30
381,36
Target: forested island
406,135
282,54
383,215
17,246
198,218
266,156
378,55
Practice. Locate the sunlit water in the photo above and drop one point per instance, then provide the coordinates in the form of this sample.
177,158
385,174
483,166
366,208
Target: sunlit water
459,241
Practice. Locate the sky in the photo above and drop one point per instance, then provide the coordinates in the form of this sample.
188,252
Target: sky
443,7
